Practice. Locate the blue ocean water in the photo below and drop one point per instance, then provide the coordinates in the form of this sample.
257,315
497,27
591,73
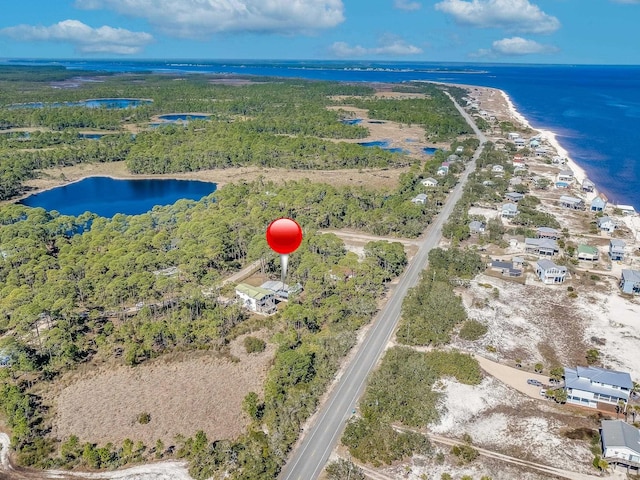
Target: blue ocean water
107,196
594,110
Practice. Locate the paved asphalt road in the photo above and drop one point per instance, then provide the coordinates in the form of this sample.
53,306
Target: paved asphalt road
308,459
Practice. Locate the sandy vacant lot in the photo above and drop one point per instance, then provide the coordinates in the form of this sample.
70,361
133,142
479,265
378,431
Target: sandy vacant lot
203,392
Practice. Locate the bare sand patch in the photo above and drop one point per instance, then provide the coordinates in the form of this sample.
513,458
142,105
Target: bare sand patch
204,392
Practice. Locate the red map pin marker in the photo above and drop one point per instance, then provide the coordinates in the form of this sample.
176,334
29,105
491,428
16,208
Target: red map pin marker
284,236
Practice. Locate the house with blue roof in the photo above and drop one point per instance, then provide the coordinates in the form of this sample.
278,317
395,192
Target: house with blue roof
597,387
598,204
620,443
630,281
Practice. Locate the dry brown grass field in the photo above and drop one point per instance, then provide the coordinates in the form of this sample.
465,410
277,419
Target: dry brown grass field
201,391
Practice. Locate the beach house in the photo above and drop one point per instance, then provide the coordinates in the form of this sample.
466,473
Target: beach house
626,209
544,247
616,249
256,299
620,443
477,227
630,281
598,204
573,203
429,182
513,135
520,142
509,210
550,273
514,197
507,269
419,199
588,185
548,232
606,224
597,387
587,252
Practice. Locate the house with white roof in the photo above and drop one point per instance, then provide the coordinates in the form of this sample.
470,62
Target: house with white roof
513,135
565,176
597,387
616,249
620,443
627,209
429,182
550,273
497,169
606,224
442,171
630,281
520,142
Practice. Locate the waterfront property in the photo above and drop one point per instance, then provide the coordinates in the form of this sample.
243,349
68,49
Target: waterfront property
548,232
598,204
477,227
587,252
597,387
630,281
606,224
419,199
565,176
509,210
256,299
588,185
620,443
545,247
550,273
520,142
573,203
616,249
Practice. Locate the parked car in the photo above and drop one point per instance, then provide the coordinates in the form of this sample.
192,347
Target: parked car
543,392
534,382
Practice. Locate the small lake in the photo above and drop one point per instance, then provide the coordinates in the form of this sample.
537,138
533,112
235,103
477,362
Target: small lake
107,196
110,103
183,117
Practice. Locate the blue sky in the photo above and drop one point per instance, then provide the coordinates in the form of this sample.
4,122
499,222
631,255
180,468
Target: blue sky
530,31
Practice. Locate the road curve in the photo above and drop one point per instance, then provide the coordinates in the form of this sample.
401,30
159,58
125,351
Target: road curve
307,460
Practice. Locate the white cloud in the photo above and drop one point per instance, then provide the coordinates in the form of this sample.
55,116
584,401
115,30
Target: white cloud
407,5
85,38
389,46
512,15
514,46
201,18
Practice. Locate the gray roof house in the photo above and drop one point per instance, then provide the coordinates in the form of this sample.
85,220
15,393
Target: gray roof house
620,443
507,269
606,224
616,249
596,387
514,197
477,227
541,246
630,281
509,210
421,199
565,176
571,202
588,185
597,204
548,232
550,273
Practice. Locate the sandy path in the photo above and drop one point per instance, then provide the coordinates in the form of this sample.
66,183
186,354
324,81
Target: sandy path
514,377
